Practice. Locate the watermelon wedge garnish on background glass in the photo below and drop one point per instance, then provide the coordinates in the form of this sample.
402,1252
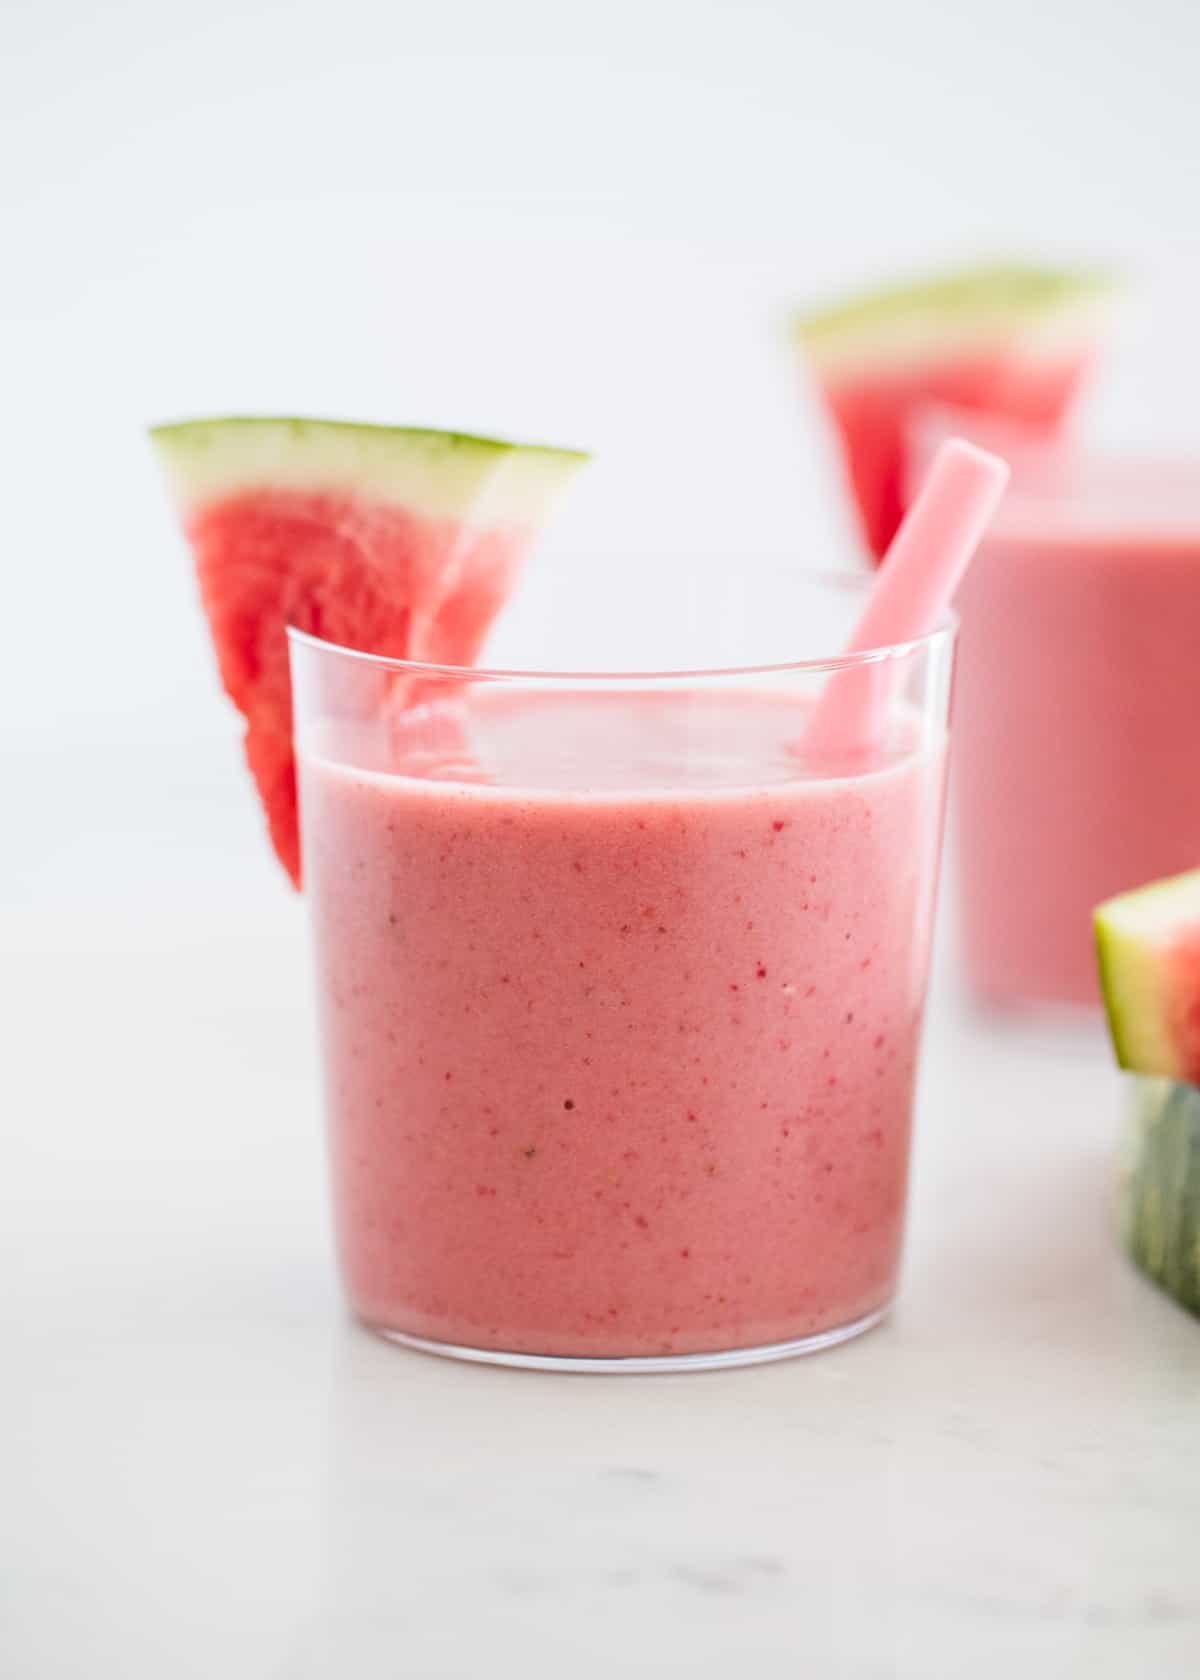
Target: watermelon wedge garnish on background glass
387,539
1008,341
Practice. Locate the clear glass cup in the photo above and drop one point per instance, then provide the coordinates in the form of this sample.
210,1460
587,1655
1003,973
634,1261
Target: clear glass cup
1076,709
620,991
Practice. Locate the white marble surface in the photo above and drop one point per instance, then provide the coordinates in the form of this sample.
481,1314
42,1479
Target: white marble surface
207,1471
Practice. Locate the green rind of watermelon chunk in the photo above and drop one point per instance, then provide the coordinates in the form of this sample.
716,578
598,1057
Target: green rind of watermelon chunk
1159,1203
391,540
1005,340
1148,948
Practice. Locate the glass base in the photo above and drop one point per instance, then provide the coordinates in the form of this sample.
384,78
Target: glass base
643,1365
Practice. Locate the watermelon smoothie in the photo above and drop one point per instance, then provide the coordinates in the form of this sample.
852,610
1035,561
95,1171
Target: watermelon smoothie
620,1005
1077,704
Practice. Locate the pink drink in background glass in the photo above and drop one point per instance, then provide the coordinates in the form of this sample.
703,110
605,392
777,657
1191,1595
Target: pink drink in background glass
620,1000
1077,763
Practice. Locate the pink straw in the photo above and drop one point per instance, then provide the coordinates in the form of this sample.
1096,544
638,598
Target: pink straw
916,582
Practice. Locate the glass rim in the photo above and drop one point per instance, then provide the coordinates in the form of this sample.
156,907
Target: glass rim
944,630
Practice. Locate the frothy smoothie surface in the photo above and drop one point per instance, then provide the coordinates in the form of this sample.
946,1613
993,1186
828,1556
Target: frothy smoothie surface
620,1005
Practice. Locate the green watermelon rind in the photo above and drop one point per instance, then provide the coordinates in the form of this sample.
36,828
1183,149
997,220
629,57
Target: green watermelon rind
1159,1201
997,301
1133,934
435,473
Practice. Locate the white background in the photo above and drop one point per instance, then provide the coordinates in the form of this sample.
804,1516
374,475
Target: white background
574,224
580,225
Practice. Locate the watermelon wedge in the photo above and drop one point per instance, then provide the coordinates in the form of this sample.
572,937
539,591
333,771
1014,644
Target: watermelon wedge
387,539
1005,340
1148,943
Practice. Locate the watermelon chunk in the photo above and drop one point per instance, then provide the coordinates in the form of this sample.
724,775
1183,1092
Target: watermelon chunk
387,539
1148,943
1005,340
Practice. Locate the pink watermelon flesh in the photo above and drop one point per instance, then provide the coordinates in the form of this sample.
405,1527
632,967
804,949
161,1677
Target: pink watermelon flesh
873,410
1182,993
373,577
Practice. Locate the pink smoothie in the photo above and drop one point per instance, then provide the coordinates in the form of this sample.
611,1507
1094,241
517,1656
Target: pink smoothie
619,1033
1077,717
